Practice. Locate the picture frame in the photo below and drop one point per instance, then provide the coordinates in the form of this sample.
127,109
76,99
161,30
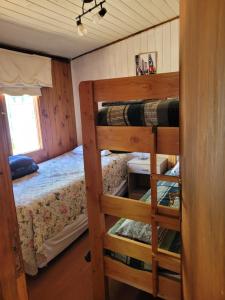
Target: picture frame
146,63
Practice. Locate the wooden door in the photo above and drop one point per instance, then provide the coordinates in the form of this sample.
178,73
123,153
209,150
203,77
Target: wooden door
12,278
203,148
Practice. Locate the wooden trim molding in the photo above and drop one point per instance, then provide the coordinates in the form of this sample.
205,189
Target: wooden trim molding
29,51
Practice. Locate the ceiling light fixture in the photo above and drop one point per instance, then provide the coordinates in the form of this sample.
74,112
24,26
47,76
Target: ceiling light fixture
81,30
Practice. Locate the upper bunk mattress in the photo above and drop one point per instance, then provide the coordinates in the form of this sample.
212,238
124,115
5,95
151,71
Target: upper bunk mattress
52,198
146,113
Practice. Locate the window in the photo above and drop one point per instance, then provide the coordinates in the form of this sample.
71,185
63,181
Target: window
24,124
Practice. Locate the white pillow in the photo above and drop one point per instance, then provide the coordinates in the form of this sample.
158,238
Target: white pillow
79,150
176,169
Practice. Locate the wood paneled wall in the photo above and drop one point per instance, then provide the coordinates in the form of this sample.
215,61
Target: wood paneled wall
57,114
203,148
118,60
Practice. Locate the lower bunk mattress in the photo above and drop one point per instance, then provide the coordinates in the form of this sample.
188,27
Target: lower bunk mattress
51,204
167,239
146,113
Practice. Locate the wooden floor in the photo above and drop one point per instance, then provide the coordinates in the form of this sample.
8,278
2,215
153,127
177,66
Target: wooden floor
68,277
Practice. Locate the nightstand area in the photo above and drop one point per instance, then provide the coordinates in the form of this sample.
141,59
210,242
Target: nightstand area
139,174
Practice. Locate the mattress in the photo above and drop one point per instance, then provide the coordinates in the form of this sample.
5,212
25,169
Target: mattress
52,198
147,113
168,239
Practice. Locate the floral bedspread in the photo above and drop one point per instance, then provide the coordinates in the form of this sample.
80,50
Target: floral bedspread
52,198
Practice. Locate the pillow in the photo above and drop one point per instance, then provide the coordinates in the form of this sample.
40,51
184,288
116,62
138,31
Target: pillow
21,165
79,150
175,171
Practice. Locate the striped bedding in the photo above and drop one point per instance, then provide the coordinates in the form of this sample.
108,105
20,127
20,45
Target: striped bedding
146,113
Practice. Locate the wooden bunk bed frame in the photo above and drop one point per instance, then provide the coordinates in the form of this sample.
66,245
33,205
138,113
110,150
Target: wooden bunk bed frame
161,140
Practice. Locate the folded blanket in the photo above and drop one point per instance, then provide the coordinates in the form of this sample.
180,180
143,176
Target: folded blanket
157,113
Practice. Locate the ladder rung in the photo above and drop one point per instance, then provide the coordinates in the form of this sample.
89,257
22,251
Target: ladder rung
167,222
166,178
168,211
169,261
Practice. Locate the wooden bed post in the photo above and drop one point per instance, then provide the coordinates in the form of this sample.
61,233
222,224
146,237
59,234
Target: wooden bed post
153,182
93,177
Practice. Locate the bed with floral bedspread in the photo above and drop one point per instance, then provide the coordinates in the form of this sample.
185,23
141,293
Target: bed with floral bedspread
52,198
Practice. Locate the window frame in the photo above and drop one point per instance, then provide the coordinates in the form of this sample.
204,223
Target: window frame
37,155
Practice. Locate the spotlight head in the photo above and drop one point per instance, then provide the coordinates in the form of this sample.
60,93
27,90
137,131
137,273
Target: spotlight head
99,15
102,12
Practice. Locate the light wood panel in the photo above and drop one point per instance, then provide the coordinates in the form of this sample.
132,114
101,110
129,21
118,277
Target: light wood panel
168,288
169,260
22,287
118,60
126,208
139,139
168,140
128,247
137,278
125,138
202,147
169,222
92,166
158,86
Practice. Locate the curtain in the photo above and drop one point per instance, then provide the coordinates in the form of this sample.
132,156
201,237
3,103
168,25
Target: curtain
23,73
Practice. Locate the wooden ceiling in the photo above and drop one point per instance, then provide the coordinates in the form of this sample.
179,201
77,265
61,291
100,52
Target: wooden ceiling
50,26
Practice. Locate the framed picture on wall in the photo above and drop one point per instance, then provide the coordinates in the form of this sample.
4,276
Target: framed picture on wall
146,63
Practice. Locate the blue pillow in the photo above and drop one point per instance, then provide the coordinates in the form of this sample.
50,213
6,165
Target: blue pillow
21,165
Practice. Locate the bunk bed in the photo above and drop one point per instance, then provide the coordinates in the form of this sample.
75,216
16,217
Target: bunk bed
151,139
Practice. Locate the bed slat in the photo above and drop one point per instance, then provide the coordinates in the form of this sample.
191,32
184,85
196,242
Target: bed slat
143,252
137,278
168,288
126,208
128,247
157,86
168,261
125,138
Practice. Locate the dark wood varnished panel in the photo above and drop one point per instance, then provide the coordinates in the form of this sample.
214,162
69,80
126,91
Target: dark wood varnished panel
57,115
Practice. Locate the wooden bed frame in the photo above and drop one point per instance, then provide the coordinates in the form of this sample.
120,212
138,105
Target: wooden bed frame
163,140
